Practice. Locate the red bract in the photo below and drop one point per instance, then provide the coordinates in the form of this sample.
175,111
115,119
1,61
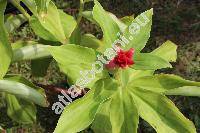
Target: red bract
123,59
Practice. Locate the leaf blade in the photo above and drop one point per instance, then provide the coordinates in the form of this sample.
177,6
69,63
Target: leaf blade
20,110
147,61
5,48
84,109
22,88
108,25
161,113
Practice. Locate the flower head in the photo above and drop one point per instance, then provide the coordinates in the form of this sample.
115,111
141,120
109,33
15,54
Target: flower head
123,59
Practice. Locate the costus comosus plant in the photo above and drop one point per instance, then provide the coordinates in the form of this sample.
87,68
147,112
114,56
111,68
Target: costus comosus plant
127,87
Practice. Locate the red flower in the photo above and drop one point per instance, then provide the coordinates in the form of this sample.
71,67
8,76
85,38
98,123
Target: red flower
123,59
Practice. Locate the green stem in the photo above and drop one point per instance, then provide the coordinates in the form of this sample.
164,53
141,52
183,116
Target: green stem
31,52
81,8
117,76
16,3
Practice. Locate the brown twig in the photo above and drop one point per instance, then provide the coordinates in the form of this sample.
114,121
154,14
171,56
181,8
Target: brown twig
52,89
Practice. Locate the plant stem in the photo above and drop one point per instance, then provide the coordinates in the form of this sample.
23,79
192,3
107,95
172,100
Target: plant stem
16,3
81,8
117,76
52,89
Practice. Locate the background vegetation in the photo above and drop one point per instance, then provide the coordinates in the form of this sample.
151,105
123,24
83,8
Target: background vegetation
176,20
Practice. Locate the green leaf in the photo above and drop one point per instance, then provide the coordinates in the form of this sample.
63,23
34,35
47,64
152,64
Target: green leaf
72,59
90,41
5,48
167,51
103,116
88,15
116,112
39,67
126,108
160,112
147,61
84,110
107,24
14,21
121,25
32,6
119,114
42,5
40,30
127,20
163,83
31,52
51,21
131,116
21,43
130,74
123,113
85,1
138,32
184,91
76,36
37,6
22,88
123,118
20,110
68,23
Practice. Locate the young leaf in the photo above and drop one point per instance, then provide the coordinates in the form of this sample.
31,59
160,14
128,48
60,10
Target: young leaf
103,117
90,41
88,15
107,24
138,32
40,30
20,110
167,51
68,23
5,48
84,110
121,25
127,20
160,112
110,115
123,113
51,21
131,115
117,112
147,61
